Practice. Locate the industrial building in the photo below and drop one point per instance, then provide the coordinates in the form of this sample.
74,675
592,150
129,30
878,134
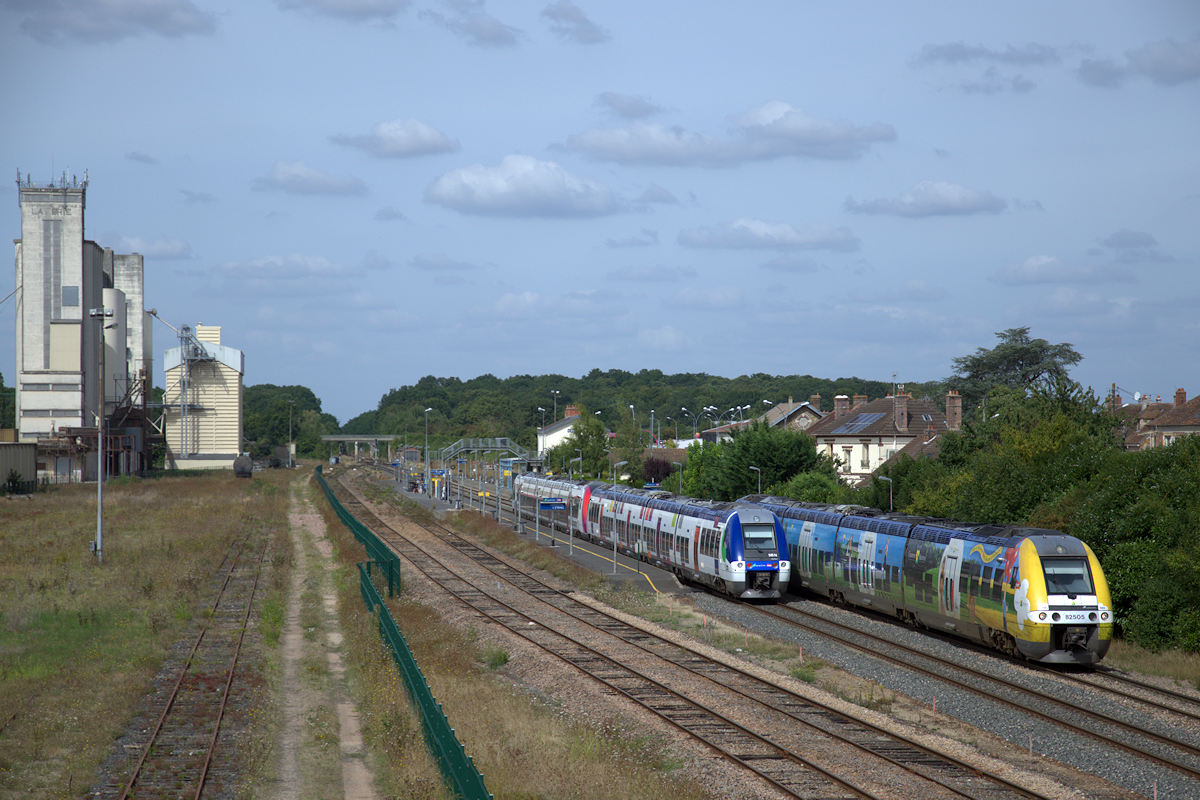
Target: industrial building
202,400
79,315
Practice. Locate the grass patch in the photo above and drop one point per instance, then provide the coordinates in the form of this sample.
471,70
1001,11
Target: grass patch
80,642
1174,664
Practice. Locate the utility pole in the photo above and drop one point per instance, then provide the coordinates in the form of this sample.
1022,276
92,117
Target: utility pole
101,314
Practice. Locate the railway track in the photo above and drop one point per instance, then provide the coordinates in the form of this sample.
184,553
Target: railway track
809,725
1163,749
181,752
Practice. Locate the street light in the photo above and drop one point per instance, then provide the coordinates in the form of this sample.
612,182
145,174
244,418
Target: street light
428,477
618,464
555,393
542,432
759,471
572,461
693,416
102,314
614,469
889,483
633,415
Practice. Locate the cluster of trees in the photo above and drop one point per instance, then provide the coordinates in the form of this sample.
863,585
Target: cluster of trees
488,406
8,404
270,413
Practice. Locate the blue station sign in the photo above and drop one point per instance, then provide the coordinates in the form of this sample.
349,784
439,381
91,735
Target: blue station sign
552,504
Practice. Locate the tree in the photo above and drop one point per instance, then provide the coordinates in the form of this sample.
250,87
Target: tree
1017,362
587,436
8,405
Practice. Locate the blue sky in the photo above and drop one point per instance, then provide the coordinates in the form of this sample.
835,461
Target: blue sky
364,192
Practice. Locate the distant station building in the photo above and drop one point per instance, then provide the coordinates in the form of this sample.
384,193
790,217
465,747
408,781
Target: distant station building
79,315
202,400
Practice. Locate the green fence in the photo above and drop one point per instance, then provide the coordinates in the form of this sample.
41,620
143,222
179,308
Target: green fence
458,769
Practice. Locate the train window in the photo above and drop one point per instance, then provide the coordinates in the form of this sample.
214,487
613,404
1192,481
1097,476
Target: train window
1067,576
760,541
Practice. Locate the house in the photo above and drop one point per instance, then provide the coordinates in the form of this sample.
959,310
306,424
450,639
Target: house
790,415
557,432
1174,422
863,435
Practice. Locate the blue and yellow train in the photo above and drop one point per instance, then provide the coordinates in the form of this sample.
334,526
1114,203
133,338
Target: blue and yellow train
1031,592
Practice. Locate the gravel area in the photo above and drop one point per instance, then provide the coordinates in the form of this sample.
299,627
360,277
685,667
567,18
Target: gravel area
1049,743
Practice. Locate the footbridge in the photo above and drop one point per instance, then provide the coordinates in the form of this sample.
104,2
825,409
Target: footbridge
501,445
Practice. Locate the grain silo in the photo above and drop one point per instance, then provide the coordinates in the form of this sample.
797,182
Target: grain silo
203,400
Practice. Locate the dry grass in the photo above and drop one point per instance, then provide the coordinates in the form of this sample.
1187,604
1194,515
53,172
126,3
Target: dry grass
1174,664
524,747
79,642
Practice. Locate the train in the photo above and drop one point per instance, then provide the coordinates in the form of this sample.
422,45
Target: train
735,548
1034,593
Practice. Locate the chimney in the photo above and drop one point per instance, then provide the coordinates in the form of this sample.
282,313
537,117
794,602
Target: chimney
841,406
571,410
900,404
814,400
1116,403
1180,397
859,399
953,410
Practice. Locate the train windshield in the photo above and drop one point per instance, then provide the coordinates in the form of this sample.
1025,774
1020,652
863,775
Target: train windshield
1068,576
760,541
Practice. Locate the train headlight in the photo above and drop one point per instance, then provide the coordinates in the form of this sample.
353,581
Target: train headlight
1092,616
738,565
1103,615
785,565
1042,616
1054,616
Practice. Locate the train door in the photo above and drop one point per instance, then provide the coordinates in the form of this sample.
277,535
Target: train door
865,563
949,570
807,562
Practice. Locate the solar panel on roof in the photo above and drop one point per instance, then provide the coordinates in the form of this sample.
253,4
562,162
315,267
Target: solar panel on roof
859,422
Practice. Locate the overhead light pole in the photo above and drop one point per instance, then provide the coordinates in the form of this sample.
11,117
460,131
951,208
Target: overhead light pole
542,432
693,416
555,393
889,483
101,314
759,471
428,477
618,464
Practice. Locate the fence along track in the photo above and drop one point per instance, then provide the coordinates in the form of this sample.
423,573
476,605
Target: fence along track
177,757
957,777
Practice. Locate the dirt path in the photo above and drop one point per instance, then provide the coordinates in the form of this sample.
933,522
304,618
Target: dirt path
315,703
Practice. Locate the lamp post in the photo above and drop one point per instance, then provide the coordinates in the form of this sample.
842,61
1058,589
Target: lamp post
693,416
675,427
580,459
291,408
542,432
101,314
759,471
555,393
618,464
633,415
889,483
427,475
652,427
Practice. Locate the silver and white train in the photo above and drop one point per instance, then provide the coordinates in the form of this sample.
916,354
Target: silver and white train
734,547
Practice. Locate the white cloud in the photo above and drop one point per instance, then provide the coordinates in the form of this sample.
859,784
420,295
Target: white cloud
627,105
643,238
90,21
389,214
657,194
793,264
569,22
756,234
770,131
1167,62
1042,269
400,138
1031,53
468,20
992,81
667,338
521,186
355,10
294,177
164,249
931,198
441,263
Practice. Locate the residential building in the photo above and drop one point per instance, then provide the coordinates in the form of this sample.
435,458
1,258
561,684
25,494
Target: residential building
862,435
1171,423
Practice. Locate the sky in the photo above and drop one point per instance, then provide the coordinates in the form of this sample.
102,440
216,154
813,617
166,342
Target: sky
365,192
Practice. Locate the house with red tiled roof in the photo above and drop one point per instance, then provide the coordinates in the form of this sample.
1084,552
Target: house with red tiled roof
1181,419
862,436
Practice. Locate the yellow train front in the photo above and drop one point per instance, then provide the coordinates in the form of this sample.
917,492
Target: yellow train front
1061,610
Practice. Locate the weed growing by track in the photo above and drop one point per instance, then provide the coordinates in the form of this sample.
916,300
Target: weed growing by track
80,642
